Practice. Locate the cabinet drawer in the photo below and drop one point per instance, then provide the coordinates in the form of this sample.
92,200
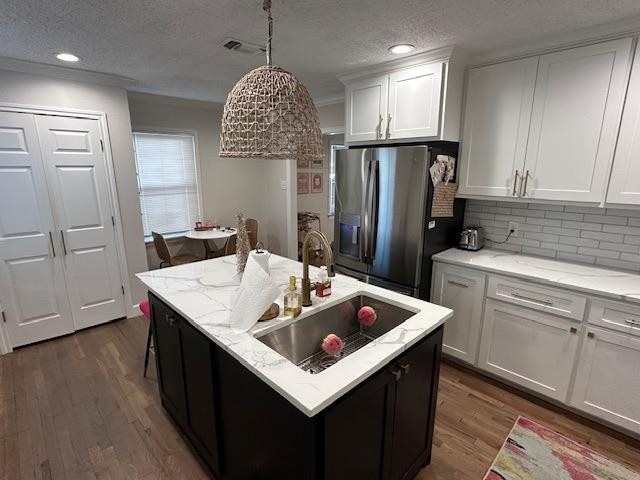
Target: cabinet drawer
554,301
616,316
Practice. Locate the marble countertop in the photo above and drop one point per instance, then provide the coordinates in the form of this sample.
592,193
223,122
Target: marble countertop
202,293
584,278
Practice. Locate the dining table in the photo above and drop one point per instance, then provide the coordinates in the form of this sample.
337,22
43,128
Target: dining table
212,234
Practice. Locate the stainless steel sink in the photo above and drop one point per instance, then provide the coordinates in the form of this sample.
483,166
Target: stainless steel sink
300,342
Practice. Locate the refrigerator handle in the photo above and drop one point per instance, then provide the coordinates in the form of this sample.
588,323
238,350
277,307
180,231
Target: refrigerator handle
373,209
367,211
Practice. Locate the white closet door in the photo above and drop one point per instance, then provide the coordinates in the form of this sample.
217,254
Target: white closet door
77,178
574,124
33,293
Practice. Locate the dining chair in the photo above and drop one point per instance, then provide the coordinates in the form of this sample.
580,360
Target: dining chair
252,231
230,247
162,249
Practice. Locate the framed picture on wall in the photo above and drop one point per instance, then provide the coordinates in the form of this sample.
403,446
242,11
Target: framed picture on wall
316,183
303,183
317,163
303,163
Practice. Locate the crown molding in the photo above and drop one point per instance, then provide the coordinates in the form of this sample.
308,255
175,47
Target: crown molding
64,73
429,56
329,100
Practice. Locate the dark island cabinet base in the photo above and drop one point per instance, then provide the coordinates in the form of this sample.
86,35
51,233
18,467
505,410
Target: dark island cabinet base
244,430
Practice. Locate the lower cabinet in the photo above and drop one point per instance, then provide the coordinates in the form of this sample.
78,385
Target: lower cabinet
530,348
607,382
462,290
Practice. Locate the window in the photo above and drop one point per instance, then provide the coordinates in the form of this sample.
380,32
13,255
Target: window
167,170
332,176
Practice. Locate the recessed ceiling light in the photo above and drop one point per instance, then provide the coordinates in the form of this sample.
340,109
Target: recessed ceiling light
402,48
67,57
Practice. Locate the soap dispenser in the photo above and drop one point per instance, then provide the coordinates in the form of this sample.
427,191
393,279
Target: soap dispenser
292,299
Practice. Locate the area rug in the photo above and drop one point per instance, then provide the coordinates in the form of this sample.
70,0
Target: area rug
533,452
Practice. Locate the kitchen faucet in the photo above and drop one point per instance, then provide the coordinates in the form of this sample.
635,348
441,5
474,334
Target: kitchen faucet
328,260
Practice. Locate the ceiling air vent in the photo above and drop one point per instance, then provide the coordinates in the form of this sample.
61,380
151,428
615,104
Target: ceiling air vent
236,45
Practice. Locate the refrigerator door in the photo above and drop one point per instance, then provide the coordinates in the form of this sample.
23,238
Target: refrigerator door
398,199
353,176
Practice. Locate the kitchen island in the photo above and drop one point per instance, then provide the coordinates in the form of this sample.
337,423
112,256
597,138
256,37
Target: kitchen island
250,412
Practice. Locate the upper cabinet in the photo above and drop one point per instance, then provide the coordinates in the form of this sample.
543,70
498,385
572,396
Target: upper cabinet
624,186
545,127
415,98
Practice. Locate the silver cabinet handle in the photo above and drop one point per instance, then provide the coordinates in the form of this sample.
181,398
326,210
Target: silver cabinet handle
397,374
515,184
388,134
631,321
379,128
531,299
457,284
53,249
64,245
4,317
526,182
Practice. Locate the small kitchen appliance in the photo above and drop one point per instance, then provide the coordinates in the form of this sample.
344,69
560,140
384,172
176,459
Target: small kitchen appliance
471,238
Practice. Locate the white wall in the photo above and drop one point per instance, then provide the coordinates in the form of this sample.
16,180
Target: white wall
228,185
41,91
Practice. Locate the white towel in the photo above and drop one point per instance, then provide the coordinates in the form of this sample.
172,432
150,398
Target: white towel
256,293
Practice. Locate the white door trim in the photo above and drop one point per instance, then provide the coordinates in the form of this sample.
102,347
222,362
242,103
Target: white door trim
115,206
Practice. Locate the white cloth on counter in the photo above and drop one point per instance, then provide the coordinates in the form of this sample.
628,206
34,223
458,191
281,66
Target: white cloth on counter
256,293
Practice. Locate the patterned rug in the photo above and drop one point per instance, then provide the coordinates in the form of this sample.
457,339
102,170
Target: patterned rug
533,452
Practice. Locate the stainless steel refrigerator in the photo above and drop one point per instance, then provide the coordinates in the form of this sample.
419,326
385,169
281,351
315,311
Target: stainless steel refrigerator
384,232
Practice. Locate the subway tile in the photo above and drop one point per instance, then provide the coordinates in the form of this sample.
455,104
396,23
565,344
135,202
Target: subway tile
577,217
634,222
630,257
544,221
527,227
607,237
618,264
569,232
507,246
619,247
510,218
620,229
612,220
482,215
559,247
542,252
632,239
546,207
574,257
474,207
588,210
580,242
596,227
624,212
512,204
502,210
543,237
596,252
527,242
525,212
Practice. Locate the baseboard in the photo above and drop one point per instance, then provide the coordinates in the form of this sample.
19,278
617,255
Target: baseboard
134,311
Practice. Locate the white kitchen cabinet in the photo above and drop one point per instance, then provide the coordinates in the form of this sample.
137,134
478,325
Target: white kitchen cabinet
366,108
607,383
414,102
496,126
529,348
624,186
574,123
462,290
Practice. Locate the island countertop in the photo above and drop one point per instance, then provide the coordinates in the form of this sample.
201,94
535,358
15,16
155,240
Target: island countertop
202,293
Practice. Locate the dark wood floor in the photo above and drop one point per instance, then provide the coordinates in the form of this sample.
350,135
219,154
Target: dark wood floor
78,408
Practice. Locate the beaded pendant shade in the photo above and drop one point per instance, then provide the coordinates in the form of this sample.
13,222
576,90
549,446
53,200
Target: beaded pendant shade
270,114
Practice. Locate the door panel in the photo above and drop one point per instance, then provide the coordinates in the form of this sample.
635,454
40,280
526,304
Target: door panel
496,126
33,292
77,177
398,222
366,105
574,124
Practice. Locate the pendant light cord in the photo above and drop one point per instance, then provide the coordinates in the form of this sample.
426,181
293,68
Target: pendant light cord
266,6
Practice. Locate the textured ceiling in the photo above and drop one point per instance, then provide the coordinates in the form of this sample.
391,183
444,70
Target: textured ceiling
173,47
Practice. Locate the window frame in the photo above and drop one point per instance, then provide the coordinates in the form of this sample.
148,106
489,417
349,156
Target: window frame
198,170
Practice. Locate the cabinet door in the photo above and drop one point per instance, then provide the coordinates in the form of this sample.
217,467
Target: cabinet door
529,348
168,345
496,124
358,431
624,186
416,393
414,102
366,108
199,387
574,124
607,383
461,290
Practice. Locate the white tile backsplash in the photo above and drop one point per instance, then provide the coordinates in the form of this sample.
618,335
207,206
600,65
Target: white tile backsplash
606,237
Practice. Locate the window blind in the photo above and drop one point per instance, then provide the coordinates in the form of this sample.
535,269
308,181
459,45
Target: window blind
167,181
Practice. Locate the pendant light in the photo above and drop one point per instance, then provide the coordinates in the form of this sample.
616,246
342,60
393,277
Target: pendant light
270,114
